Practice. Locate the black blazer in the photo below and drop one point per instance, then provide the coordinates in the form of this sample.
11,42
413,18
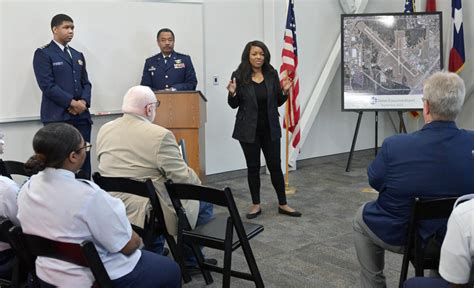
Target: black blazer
245,99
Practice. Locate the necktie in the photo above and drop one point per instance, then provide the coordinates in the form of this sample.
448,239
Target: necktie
68,53
166,59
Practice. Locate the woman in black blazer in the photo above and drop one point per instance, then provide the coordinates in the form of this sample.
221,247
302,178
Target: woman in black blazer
255,89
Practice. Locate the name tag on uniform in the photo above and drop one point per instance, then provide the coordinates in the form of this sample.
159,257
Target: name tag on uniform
58,63
152,68
179,65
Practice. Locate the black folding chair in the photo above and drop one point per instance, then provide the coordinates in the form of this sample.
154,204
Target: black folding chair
182,148
423,257
224,232
28,247
9,168
5,225
154,226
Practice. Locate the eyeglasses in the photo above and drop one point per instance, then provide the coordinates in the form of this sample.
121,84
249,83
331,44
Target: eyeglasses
157,103
87,147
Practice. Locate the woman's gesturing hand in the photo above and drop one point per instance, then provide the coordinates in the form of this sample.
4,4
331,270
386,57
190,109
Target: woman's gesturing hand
232,86
286,82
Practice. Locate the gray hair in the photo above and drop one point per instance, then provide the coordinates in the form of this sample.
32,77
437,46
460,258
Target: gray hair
445,92
136,99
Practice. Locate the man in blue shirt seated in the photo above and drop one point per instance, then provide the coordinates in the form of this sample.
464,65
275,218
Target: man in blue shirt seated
434,162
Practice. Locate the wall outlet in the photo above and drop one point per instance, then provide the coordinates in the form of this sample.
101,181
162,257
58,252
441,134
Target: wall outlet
215,80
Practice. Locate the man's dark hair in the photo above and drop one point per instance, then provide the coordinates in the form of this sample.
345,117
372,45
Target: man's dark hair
59,19
164,30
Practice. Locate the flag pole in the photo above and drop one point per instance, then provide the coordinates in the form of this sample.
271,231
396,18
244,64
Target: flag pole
288,190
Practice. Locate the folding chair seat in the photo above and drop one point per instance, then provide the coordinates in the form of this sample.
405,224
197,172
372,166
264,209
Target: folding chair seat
224,232
424,256
85,254
154,226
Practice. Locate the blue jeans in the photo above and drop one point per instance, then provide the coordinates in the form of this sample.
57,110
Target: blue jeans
206,213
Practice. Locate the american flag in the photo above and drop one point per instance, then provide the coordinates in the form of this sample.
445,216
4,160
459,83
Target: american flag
289,55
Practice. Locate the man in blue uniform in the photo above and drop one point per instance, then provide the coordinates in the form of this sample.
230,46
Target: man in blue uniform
168,70
61,74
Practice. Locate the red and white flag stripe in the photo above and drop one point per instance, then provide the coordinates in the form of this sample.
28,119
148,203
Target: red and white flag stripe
288,69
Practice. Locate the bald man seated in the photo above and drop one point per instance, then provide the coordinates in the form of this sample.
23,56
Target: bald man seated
132,146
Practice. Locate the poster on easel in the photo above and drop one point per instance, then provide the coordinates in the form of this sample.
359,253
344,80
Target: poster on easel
386,58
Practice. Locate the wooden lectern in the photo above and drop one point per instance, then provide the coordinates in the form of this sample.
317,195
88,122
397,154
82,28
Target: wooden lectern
184,113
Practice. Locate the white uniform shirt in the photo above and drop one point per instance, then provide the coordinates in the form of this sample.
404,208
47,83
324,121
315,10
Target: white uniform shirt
457,251
54,205
8,207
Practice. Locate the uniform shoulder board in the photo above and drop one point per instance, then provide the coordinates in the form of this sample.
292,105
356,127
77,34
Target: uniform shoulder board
181,54
45,46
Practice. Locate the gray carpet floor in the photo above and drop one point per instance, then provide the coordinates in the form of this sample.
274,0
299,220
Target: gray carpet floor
317,249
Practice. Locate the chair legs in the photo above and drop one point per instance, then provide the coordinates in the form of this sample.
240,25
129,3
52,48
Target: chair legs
227,254
200,260
252,264
173,249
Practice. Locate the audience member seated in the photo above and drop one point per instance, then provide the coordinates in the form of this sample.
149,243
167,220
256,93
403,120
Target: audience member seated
8,208
434,162
133,147
457,251
55,205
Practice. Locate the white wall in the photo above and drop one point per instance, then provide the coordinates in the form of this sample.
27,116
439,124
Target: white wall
228,26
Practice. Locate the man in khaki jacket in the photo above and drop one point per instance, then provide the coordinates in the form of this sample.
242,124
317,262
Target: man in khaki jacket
132,146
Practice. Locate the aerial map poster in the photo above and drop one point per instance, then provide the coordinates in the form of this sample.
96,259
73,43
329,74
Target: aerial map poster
386,58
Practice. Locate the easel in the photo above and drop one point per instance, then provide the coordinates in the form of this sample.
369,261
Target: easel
356,132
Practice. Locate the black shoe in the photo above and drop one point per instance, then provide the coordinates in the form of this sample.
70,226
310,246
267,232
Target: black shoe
210,261
292,214
195,270
253,215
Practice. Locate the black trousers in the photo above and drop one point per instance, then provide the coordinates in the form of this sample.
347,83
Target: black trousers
271,151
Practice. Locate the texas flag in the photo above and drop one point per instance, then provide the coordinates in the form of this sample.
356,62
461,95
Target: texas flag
456,54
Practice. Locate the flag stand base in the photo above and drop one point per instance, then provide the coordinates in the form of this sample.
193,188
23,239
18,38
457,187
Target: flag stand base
289,190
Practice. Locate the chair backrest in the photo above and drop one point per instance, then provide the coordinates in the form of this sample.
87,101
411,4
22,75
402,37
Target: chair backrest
423,210
13,168
428,209
84,254
3,170
5,225
182,148
220,197
138,188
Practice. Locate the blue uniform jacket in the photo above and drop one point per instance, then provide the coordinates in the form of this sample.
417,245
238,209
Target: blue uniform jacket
436,161
61,79
177,73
